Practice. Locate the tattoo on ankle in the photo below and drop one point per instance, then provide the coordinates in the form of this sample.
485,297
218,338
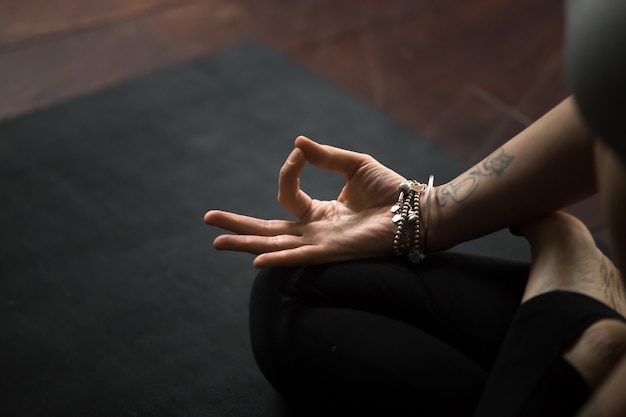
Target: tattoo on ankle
461,188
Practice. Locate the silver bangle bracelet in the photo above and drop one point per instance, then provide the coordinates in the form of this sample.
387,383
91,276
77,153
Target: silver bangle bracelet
429,191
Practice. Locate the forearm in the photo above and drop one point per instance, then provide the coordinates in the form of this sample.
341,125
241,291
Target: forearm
546,167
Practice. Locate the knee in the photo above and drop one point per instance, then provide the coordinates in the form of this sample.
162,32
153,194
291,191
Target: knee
266,302
270,290
271,307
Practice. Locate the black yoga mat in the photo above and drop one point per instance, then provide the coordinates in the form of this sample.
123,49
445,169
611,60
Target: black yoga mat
112,300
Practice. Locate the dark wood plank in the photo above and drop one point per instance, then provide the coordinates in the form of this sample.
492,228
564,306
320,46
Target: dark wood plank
422,69
308,23
46,73
35,20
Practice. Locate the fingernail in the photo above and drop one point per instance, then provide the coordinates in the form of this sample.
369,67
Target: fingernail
293,157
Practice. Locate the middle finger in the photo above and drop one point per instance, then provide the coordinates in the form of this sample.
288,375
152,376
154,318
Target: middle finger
246,225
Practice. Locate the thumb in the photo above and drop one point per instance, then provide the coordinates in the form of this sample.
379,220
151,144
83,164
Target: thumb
329,157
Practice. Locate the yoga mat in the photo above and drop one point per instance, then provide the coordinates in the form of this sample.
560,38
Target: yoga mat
112,300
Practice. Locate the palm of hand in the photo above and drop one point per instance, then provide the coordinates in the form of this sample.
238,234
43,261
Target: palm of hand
356,225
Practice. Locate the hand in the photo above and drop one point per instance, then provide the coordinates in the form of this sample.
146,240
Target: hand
356,225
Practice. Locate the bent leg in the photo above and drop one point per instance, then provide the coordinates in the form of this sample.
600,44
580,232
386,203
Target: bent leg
568,334
371,335
531,377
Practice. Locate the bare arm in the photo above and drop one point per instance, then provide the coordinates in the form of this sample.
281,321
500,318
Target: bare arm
546,167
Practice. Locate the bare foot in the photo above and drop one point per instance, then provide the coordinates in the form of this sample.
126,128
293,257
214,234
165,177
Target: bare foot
565,257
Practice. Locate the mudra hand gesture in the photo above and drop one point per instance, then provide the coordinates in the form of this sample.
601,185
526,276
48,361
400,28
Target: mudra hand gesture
356,225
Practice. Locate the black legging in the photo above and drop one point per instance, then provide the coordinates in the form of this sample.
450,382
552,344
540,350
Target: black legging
445,338
384,337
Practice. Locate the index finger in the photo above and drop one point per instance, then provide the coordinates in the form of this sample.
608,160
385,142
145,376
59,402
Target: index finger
290,196
329,157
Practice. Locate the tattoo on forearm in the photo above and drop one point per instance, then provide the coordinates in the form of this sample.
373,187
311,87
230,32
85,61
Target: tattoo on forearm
462,187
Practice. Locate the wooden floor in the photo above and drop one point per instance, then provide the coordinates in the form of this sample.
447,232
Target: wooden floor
467,74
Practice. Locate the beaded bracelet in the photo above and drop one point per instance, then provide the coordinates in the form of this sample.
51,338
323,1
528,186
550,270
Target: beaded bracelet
406,221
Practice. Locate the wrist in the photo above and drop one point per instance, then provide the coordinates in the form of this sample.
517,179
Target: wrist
436,239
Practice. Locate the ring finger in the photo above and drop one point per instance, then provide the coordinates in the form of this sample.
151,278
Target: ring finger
257,244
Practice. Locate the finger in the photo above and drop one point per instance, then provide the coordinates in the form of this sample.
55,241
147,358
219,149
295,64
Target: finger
301,255
290,196
257,244
246,225
329,157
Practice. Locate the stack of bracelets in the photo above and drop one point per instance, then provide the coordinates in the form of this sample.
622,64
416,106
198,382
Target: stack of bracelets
410,220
